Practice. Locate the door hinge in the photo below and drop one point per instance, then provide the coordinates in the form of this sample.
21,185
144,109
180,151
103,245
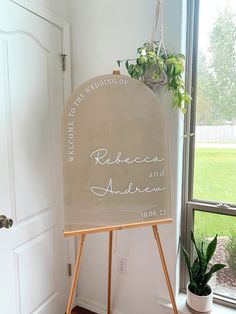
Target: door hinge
69,270
63,61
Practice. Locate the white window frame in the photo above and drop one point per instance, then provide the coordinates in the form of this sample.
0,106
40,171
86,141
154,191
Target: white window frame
189,203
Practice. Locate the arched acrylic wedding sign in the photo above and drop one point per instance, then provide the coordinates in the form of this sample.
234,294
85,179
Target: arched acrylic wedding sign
115,146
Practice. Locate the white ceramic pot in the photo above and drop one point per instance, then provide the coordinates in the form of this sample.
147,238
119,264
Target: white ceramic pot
202,304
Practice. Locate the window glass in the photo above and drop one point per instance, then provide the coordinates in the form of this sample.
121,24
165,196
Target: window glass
215,132
214,117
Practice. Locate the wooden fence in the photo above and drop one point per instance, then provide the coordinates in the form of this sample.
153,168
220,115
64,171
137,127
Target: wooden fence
216,134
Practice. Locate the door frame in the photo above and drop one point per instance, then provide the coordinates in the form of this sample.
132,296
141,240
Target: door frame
64,27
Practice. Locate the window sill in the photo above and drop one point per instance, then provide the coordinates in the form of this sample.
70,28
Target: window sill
182,309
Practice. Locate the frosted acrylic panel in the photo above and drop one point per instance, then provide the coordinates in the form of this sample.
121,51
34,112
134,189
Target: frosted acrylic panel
115,155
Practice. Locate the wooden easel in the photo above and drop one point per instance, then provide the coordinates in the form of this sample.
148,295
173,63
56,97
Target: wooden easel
83,233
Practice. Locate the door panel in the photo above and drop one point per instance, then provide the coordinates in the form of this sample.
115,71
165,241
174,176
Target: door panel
5,151
31,132
36,277
33,258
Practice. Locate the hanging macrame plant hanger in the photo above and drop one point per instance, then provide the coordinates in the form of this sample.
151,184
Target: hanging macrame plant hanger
155,67
157,45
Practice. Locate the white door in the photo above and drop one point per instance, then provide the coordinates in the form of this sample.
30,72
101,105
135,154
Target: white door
33,255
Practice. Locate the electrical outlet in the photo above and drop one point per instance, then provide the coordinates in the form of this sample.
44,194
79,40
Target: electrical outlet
122,265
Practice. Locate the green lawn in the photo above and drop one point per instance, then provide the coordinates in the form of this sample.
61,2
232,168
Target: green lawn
215,180
215,174
208,225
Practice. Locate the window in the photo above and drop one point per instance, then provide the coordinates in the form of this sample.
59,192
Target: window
210,150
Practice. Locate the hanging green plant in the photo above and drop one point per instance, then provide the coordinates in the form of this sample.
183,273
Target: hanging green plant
155,67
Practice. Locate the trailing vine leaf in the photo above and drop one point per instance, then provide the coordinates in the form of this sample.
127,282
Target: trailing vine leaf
188,135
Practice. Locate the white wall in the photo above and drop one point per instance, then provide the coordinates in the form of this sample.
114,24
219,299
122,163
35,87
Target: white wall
57,7
102,32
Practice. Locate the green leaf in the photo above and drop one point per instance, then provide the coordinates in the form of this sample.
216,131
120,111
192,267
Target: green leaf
130,69
152,54
202,248
201,256
216,267
187,98
172,68
141,69
118,62
139,50
195,268
211,249
187,260
193,287
212,270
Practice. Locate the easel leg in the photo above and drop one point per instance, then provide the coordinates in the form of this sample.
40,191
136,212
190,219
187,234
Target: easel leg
109,273
164,266
75,275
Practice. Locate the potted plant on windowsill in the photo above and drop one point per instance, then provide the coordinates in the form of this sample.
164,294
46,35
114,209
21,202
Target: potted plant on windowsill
199,293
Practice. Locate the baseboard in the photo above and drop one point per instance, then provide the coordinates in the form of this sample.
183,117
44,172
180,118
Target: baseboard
95,307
